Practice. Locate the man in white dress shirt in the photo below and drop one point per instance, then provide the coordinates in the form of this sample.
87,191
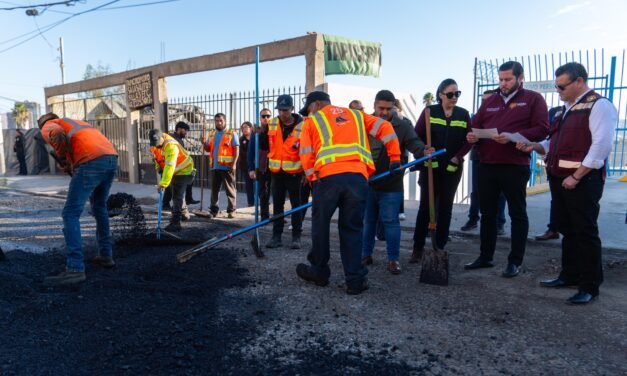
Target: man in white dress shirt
579,142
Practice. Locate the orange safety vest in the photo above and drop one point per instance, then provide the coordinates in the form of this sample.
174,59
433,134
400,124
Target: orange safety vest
85,142
183,160
334,140
226,152
284,155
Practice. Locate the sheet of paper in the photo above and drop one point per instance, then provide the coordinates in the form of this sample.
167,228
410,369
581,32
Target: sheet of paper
516,137
485,133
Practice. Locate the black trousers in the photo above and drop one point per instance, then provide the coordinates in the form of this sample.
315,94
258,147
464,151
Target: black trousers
167,194
21,158
444,185
576,214
346,192
511,180
264,179
283,183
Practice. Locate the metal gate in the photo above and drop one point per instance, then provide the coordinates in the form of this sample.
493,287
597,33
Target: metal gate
606,76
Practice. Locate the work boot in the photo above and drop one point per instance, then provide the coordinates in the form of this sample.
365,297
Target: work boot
231,215
470,225
174,226
295,242
548,235
394,267
66,277
416,254
103,261
356,289
192,202
304,272
186,216
275,242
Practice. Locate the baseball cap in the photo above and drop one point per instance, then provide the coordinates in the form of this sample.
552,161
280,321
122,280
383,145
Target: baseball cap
312,97
155,137
284,102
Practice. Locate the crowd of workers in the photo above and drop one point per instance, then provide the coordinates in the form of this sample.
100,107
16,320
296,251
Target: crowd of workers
329,152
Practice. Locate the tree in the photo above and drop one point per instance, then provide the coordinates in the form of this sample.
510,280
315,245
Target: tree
98,71
428,99
21,114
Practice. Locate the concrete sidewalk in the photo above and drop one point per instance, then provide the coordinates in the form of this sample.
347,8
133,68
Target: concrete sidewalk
612,224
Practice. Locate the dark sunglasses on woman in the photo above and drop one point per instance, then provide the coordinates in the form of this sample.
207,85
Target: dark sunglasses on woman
452,94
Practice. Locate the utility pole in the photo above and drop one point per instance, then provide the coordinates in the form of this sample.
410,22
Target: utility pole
62,66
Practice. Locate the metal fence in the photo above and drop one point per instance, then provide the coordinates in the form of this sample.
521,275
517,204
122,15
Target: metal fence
198,113
606,76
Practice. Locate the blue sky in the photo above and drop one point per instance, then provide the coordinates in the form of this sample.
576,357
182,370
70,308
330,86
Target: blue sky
422,42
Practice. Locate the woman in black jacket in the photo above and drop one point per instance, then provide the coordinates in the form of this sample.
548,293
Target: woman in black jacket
449,125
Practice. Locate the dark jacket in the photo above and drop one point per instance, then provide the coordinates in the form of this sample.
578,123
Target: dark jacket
264,148
408,142
525,113
449,133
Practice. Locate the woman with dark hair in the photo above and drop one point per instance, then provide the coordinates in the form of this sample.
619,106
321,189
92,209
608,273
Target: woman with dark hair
449,125
246,130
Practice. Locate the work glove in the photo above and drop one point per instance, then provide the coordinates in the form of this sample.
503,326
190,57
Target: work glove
394,166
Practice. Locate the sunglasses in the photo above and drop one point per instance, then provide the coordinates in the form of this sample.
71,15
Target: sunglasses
563,87
266,116
453,94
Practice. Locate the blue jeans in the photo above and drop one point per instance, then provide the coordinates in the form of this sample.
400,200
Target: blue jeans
91,180
348,192
383,208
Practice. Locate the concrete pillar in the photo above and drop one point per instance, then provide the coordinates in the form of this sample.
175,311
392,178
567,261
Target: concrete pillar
132,124
314,60
160,102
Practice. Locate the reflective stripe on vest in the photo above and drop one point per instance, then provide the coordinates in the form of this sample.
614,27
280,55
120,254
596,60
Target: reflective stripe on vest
329,152
459,123
452,168
183,164
75,127
437,121
434,164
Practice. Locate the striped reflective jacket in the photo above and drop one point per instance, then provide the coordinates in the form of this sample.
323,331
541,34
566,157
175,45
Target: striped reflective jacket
334,140
171,159
284,155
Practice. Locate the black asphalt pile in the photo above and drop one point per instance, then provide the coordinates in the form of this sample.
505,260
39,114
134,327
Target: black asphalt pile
150,315
128,220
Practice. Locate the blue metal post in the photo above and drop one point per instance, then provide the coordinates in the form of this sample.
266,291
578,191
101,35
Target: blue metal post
610,97
257,121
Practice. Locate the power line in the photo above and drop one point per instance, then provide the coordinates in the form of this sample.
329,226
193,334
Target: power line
67,2
52,26
140,5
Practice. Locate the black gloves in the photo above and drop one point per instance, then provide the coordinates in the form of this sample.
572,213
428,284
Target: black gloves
395,166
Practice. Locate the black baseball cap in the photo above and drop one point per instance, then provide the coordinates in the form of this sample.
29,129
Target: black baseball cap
155,137
284,102
312,97
182,124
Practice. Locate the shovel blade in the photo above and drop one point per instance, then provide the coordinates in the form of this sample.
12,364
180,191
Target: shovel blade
255,244
435,268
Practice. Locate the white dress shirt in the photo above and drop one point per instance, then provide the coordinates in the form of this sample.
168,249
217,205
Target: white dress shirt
602,123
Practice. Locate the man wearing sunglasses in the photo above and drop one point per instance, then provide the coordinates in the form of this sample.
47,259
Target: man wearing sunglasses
261,173
502,167
580,141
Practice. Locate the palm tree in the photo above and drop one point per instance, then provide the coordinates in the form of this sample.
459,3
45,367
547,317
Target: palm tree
428,99
21,114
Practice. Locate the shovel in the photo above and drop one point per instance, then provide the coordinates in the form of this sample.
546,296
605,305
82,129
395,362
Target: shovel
200,212
255,243
435,261
203,247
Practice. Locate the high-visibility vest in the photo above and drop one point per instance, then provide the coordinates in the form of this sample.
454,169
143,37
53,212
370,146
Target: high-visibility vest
183,159
335,140
226,152
169,166
84,142
284,155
